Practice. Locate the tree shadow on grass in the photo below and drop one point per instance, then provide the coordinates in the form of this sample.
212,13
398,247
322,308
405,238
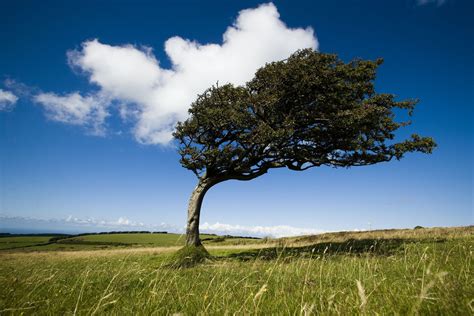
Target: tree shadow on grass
379,247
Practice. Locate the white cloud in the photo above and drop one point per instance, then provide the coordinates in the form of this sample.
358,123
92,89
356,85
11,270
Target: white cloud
78,224
7,100
156,98
426,2
75,109
257,231
122,222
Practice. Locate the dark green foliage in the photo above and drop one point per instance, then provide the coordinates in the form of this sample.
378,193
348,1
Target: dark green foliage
307,111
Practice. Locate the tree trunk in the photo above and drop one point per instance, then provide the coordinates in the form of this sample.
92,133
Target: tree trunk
194,210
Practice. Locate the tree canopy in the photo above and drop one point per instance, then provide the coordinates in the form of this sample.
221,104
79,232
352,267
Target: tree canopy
309,110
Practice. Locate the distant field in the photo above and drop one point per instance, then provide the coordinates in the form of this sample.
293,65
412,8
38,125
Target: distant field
108,241
425,271
20,242
156,240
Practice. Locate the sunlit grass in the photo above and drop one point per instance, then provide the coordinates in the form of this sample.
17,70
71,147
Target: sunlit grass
111,241
425,276
20,242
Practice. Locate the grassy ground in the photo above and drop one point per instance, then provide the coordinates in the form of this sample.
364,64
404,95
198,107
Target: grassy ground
110,241
423,271
24,241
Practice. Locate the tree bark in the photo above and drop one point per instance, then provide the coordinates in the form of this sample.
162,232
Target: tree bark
194,211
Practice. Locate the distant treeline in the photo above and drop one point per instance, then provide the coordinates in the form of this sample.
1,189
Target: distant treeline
83,234
37,235
123,232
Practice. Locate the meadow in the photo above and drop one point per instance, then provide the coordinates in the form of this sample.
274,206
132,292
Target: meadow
412,271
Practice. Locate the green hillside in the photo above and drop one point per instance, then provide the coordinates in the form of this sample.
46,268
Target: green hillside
108,241
392,272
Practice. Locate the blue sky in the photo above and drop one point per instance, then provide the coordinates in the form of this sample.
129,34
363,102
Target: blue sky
107,162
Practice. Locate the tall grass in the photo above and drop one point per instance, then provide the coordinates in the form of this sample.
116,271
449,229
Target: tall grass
426,277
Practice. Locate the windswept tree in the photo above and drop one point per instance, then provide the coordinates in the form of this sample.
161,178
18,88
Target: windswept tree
307,111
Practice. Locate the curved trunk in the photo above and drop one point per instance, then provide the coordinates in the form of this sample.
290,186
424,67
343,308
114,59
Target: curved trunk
194,210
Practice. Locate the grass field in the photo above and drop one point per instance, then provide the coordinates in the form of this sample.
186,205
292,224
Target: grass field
21,242
424,271
109,241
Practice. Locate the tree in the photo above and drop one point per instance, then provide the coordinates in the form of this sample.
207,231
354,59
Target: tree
309,110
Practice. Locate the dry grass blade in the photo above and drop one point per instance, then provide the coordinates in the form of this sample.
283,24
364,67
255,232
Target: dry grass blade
362,296
81,291
260,292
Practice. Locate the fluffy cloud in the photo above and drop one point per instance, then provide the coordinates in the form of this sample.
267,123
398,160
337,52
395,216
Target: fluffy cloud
89,224
77,224
7,100
121,222
257,231
89,111
155,98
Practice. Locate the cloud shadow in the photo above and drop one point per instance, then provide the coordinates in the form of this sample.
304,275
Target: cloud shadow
357,247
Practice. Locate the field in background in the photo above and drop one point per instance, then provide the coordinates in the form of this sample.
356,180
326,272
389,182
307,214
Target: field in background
23,241
425,271
109,241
